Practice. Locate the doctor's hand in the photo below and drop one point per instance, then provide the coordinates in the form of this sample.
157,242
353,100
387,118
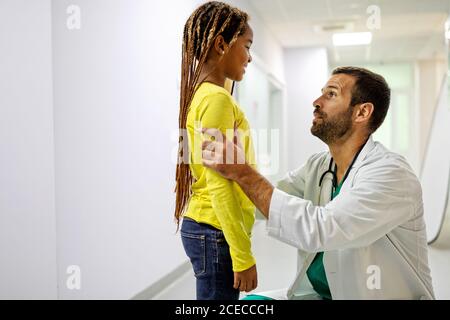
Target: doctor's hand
222,155
228,159
246,280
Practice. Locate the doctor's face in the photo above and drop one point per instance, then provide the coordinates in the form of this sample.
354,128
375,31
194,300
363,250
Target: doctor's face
332,111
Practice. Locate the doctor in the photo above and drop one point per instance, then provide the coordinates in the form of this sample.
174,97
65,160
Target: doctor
355,213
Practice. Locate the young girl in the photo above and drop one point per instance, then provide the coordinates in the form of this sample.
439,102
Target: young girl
218,217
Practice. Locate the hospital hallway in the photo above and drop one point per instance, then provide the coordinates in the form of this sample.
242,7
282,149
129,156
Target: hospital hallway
93,117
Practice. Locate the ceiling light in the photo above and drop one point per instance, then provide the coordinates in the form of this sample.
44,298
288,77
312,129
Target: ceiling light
352,39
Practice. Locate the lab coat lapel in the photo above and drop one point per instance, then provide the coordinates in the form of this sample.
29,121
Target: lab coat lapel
323,196
331,258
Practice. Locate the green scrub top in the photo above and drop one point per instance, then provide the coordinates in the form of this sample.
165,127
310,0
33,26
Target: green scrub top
316,271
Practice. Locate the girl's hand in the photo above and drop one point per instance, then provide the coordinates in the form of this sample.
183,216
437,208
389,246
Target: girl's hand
246,280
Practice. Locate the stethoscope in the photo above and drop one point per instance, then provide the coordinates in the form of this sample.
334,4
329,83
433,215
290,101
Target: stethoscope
334,172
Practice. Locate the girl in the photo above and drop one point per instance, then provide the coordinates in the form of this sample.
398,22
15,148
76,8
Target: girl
218,217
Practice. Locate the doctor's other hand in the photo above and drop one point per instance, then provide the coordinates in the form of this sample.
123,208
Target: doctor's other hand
246,280
221,154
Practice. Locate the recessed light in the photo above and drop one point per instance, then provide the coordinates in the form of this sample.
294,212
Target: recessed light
352,39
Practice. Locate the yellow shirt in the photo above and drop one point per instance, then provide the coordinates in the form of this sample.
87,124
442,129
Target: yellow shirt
217,201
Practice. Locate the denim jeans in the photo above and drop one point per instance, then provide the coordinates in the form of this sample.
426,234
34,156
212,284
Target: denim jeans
210,258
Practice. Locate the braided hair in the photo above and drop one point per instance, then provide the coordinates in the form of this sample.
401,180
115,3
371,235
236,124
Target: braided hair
205,24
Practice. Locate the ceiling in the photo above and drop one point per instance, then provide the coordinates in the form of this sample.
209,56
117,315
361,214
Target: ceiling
409,29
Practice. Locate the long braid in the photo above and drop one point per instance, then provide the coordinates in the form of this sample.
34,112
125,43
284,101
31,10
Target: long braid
200,32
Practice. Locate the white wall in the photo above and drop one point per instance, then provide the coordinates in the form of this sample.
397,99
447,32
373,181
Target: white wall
430,75
265,46
99,193
264,109
306,71
27,204
116,107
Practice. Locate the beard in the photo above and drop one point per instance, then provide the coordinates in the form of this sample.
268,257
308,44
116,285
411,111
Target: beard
329,130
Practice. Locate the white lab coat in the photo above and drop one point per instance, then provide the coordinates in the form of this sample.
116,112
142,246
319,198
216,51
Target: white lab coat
373,233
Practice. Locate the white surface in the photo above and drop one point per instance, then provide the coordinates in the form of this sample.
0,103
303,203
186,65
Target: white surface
116,108
439,256
265,44
27,212
436,168
352,39
264,107
306,72
428,82
439,259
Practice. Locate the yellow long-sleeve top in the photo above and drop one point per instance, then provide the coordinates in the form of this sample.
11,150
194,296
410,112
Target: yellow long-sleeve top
217,201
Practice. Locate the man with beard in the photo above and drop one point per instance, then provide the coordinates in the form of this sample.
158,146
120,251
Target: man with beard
355,213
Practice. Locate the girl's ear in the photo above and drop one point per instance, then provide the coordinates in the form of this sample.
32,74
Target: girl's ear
220,46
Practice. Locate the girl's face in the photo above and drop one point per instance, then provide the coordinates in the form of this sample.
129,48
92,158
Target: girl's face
237,58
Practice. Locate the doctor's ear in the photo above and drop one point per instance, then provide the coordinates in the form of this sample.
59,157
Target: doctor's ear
364,112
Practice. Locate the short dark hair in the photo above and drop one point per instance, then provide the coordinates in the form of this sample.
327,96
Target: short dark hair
369,87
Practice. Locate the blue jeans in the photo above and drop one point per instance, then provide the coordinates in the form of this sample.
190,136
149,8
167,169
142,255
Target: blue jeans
210,258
